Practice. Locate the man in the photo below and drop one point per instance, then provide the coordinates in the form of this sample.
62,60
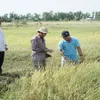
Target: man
3,47
67,49
39,49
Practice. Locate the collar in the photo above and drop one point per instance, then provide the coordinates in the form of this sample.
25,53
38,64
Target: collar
40,38
67,41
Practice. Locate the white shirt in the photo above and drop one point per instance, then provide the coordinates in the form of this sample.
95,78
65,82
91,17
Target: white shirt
2,41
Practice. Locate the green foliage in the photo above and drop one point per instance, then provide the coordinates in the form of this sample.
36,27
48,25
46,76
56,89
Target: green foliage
50,16
97,15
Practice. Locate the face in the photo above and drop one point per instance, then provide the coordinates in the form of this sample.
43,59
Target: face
68,38
41,34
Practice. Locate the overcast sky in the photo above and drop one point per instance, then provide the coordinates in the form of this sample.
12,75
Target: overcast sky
39,6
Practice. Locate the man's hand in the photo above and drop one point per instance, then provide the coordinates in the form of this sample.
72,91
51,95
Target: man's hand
80,54
49,50
69,60
6,48
81,59
61,53
66,58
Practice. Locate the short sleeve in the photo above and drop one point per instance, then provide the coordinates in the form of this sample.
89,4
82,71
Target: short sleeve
33,44
36,46
77,43
60,45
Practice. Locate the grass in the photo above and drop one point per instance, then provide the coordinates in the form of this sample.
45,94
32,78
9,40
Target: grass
81,82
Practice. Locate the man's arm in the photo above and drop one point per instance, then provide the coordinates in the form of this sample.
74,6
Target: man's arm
48,50
62,54
36,47
6,48
80,53
60,48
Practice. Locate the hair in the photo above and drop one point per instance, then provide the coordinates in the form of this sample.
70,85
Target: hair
65,35
38,31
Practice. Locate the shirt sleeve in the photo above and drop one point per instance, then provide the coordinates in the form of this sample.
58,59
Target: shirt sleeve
77,43
2,36
60,46
2,41
35,46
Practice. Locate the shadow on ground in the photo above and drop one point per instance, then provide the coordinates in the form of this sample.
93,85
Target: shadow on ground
6,79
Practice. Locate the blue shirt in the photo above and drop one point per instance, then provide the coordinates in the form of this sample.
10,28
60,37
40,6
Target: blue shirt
69,48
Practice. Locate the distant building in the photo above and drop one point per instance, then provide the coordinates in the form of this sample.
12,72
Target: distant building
90,18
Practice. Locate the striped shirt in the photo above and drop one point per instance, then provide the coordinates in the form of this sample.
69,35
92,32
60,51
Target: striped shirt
38,48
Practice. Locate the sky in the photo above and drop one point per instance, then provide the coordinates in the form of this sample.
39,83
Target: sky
39,6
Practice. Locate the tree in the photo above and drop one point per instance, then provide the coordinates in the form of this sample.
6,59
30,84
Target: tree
13,16
47,16
97,16
55,17
29,16
78,15
0,21
70,16
5,18
86,15
36,17
62,15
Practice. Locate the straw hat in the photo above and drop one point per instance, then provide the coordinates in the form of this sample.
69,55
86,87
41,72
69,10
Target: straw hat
43,29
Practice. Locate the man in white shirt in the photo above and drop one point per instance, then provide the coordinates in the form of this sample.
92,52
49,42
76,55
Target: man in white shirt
3,48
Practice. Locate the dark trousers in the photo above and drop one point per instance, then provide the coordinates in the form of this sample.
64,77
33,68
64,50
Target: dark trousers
1,60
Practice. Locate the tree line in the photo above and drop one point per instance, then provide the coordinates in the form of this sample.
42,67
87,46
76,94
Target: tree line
51,16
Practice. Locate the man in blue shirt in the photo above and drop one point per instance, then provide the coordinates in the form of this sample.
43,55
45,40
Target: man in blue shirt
68,47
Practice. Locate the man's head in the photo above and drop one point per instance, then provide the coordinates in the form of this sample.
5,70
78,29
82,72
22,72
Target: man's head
42,31
66,35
